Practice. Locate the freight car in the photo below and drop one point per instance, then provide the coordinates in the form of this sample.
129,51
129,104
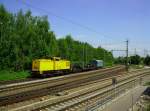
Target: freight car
57,66
93,64
97,63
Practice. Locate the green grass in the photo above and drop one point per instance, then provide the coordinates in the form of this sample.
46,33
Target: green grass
136,66
148,107
147,84
11,75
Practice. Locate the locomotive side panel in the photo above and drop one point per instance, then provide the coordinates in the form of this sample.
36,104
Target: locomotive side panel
62,65
41,65
46,65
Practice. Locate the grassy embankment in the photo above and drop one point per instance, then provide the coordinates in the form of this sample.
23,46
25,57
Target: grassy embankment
148,83
6,75
137,66
11,75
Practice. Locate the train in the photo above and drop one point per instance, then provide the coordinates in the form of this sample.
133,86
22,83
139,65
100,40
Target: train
56,65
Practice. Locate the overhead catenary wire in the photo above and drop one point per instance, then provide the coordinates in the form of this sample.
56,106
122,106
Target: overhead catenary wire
66,19
112,43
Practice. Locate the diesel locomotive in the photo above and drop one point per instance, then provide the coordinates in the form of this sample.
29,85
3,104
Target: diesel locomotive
56,65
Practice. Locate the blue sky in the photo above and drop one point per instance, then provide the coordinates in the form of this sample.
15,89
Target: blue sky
114,20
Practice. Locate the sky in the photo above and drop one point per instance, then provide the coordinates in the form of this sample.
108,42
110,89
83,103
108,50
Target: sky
106,23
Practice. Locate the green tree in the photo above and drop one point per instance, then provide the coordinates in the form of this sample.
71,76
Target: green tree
135,59
147,60
120,60
24,37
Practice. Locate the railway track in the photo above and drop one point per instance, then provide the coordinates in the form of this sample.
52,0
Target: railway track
89,96
92,98
17,81
19,92
82,101
35,78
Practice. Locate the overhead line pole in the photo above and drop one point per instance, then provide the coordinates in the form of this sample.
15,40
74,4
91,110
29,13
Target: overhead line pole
127,54
83,52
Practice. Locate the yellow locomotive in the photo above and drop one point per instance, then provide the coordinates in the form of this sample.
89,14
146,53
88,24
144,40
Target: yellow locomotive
56,65
46,66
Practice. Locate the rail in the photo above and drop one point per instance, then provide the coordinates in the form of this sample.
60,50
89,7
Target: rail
70,101
11,89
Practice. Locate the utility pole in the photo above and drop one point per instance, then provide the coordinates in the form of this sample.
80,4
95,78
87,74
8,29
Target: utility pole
135,53
127,54
83,57
85,54
1,31
127,50
104,59
145,53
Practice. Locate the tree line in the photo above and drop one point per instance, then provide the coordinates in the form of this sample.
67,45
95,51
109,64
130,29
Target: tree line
24,37
135,60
